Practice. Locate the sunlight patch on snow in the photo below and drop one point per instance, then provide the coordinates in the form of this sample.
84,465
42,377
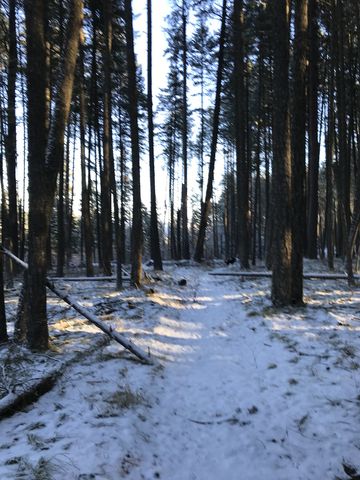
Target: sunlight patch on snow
232,297
180,324
165,331
204,299
171,351
74,325
167,300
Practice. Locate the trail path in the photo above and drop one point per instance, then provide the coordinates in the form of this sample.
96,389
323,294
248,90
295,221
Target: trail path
246,394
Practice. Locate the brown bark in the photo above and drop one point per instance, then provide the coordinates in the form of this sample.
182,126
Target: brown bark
298,147
281,179
242,167
313,178
85,188
137,229
106,216
44,157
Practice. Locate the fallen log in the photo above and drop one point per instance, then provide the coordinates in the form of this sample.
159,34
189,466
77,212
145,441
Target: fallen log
15,401
85,279
108,329
315,276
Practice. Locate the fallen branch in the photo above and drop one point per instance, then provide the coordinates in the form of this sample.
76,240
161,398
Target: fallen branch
87,314
315,276
85,279
13,402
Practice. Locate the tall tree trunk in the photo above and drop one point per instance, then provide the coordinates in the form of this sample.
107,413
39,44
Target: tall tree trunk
106,220
35,310
137,229
154,228
44,157
298,148
11,137
85,188
199,250
330,141
344,159
61,224
281,179
3,327
242,167
313,179
185,245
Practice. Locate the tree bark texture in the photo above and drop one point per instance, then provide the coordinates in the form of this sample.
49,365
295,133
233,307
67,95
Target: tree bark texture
137,228
45,157
281,181
242,167
298,147
313,177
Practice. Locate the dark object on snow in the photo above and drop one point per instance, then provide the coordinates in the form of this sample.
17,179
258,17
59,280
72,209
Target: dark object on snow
182,282
230,261
351,471
150,263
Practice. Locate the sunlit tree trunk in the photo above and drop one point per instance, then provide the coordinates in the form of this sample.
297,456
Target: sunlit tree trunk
44,157
137,229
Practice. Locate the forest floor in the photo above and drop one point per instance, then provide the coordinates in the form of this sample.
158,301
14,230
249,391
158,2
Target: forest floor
245,391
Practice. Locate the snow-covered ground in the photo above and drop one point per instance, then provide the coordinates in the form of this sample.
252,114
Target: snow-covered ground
245,392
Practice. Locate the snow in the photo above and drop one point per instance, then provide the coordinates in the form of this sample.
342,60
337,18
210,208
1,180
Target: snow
244,391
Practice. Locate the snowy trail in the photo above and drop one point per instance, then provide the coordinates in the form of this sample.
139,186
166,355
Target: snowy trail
247,393
237,403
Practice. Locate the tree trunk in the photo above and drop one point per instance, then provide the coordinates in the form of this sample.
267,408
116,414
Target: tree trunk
199,250
298,148
281,182
185,246
44,157
242,167
341,97
12,225
154,229
313,132
106,217
137,229
85,188
3,328
329,220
